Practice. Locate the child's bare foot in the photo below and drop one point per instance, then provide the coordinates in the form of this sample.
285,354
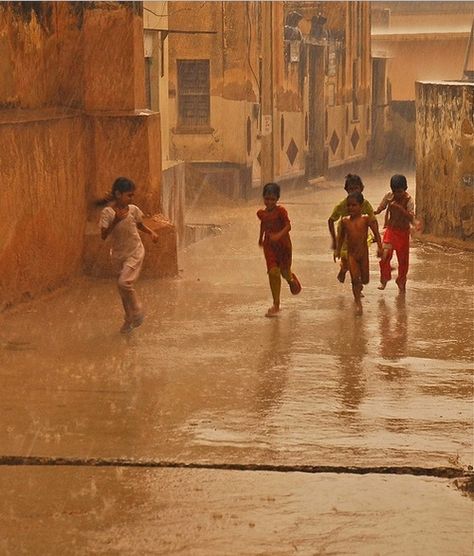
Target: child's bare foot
341,276
126,328
358,309
295,286
138,320
273,311
382,285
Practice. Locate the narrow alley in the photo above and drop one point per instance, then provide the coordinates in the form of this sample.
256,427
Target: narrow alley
208,381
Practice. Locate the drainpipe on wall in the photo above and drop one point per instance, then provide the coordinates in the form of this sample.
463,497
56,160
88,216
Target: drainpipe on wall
268,167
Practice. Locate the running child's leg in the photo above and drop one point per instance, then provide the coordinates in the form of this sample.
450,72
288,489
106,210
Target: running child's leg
364,271
356,278
124,296
274,277
131,304
293,282
385,265
403,250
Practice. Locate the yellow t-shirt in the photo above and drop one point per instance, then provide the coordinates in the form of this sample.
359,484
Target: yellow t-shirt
340,210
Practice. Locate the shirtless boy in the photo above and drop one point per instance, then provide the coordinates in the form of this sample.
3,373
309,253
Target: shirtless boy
354,230
399,217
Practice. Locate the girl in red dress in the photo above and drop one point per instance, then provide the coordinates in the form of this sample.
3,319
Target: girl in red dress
275,239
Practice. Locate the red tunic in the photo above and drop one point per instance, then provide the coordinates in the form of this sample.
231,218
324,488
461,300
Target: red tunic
277,253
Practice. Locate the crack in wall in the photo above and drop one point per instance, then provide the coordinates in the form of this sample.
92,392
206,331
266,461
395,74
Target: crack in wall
440,472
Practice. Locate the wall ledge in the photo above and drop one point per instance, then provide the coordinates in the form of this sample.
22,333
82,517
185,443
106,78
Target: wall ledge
10,116
24,116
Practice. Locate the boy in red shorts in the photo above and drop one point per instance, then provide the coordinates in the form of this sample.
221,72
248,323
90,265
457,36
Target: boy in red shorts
400,215
275,239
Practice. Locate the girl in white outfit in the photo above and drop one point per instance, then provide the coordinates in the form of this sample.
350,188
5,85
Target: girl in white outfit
121,221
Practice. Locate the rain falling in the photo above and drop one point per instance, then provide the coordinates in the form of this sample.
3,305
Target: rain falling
236,277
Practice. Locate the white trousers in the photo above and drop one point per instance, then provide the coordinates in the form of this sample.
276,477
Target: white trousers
126,282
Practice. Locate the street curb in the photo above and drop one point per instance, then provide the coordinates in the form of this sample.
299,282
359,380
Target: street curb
440,472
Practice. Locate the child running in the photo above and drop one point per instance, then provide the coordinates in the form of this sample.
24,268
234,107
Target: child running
121,221
354,230
400,214
352,184
275,239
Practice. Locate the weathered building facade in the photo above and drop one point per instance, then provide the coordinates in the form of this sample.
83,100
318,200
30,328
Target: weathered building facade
156,32
72,96
264,91
412,41
445,159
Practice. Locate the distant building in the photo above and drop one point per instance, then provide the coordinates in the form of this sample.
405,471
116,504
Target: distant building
412,41
262,91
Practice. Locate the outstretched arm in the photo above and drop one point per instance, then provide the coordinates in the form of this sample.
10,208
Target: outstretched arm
148,231
383,204
260,237
332,231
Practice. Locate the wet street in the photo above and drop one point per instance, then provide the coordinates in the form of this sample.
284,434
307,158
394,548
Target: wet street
251,405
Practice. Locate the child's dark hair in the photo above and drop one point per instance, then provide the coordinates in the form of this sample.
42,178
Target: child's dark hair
122,185
353,179
271,189
357,196
398,181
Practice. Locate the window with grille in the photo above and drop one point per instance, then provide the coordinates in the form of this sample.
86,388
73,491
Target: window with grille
193,93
